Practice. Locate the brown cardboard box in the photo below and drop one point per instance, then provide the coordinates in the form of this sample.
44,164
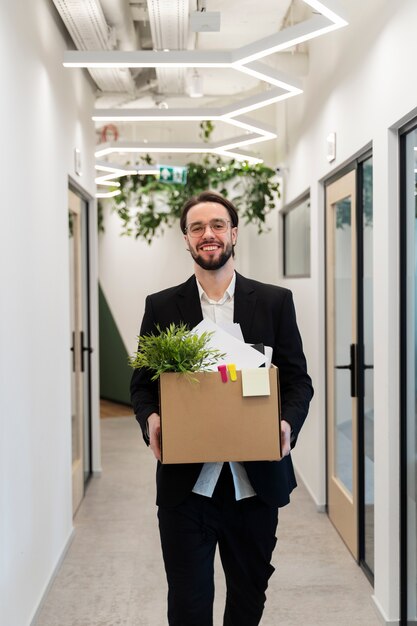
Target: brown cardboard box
210,420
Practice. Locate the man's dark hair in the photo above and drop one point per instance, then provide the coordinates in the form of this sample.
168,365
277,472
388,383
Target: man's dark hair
209,196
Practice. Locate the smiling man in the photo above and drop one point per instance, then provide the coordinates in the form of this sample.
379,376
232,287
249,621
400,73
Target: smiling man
216,243
230,505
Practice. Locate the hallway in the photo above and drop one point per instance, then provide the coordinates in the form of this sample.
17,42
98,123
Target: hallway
113,573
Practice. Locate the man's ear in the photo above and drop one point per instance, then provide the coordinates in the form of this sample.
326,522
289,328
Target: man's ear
186,242
234,235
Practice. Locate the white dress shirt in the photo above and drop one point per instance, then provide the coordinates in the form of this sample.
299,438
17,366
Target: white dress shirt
221,312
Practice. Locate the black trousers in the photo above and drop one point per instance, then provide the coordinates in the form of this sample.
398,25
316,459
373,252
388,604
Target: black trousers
245,533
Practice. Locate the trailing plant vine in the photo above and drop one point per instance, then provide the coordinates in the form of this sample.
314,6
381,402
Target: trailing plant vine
146,205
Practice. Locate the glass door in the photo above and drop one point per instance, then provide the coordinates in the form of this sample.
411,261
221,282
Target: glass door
365,365
350,391
409,376
85,343
80,349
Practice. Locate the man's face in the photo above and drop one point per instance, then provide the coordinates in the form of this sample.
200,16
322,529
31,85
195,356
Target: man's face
211,250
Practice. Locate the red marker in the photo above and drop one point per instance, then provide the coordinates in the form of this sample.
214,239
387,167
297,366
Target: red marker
223,372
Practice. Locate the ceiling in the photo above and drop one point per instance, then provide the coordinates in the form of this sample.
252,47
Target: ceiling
175,77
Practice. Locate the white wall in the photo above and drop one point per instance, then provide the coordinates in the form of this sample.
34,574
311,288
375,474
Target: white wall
364,87
130,269
45,114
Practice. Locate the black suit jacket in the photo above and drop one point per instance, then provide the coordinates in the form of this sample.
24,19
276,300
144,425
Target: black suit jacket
266,315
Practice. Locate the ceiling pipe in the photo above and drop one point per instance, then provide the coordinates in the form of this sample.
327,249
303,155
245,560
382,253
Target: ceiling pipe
89,29
119,17
170,31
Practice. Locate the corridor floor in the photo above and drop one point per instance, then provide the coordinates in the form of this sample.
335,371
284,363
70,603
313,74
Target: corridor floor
113,574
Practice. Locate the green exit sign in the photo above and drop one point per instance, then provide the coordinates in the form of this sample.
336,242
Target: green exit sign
170,174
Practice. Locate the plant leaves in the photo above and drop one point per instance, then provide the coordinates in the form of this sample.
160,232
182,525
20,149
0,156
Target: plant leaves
175,349
139,204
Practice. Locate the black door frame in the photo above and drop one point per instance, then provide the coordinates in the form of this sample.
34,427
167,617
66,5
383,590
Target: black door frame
403,132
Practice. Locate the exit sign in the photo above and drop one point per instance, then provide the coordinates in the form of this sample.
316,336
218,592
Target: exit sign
170,174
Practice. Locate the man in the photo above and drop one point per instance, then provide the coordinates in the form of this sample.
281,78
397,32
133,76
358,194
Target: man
232,505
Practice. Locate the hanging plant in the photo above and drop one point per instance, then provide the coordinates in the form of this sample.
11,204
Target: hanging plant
146,205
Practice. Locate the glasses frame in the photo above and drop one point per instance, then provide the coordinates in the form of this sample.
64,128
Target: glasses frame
188,232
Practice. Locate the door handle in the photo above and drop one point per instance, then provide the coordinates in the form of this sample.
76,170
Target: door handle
73,351
84,348
353,367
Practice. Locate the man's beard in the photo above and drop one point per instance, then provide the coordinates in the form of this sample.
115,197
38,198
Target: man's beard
213,264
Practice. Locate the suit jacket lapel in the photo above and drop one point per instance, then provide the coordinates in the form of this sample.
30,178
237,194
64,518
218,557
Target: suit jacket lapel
189,305
245,301
188,302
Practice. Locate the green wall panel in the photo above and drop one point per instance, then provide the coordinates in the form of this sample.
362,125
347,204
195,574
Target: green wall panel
115,373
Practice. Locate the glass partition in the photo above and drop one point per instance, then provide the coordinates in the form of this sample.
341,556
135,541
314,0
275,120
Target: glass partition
343,305
409,372
296,234
367,234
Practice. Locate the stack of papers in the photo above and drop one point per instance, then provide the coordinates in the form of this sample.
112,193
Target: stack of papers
232,344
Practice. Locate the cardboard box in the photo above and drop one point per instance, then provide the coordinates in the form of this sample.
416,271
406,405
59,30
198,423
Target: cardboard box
209,420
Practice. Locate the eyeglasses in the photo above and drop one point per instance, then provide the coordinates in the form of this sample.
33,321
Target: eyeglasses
197,229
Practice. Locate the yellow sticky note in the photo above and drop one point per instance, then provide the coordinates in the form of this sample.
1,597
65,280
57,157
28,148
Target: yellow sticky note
255,382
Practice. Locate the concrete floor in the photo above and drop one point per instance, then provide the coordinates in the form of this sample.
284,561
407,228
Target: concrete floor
113,574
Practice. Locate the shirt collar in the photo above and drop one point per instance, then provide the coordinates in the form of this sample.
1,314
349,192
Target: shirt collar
228,294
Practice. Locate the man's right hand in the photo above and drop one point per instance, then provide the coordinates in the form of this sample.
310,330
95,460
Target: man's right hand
154,426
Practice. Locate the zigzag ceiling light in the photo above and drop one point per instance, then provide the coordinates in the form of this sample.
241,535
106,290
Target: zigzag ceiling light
329,16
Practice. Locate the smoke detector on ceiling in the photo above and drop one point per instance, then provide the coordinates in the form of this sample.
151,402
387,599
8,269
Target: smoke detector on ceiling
205,21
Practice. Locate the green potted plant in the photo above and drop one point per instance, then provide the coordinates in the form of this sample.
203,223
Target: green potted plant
176,349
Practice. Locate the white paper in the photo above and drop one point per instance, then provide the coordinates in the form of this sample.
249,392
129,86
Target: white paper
237,352
234,329
268,355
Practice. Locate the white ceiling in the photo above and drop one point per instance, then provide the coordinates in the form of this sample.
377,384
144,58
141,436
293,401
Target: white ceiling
159,27
164,24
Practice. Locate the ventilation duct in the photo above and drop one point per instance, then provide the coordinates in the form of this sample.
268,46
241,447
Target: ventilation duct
119,15
87,25
169,27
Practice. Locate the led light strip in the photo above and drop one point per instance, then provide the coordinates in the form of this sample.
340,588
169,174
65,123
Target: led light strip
108,182
116,171
255,133
331,18
146,58
245,59
136,148
108,194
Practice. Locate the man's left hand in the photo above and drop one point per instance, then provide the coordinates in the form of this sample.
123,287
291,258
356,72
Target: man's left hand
285,438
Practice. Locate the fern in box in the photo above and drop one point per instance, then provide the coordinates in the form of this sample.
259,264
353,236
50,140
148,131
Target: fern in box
176,349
